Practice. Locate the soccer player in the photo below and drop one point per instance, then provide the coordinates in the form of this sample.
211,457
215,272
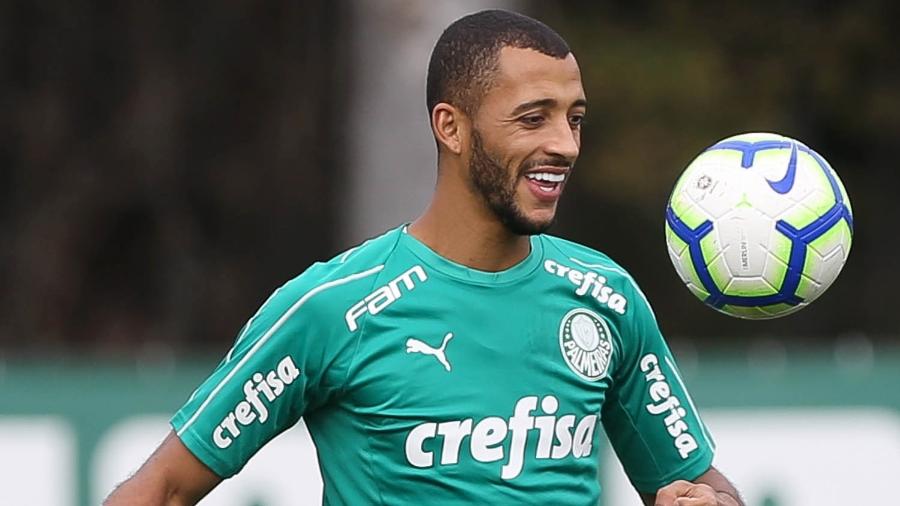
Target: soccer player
465,358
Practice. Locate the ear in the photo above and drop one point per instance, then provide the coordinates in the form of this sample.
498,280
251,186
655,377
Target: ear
450,127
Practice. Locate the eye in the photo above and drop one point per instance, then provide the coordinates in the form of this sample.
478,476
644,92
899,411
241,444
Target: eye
533,120
576,120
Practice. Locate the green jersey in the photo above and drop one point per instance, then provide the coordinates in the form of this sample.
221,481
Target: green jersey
423,381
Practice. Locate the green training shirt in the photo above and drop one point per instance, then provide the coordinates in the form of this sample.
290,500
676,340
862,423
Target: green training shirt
423,381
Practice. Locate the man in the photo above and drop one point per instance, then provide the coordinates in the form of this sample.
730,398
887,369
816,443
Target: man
465,358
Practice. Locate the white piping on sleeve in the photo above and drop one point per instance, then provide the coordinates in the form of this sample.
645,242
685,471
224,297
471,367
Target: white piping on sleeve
274,328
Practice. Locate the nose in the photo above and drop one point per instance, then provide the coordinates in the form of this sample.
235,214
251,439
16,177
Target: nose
563,141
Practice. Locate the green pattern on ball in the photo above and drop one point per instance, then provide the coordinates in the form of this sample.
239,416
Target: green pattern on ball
674,241
749,287
836,236
815,204
777,157
687,267
687,211
714,258
779,257
744,312
698,290
840,186
806,288
696,285
843,191
800,216
818,249
759,313
776,310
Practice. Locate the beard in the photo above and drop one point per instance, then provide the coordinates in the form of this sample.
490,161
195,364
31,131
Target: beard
498,189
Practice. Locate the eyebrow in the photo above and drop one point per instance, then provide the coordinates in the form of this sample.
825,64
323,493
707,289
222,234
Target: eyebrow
543,103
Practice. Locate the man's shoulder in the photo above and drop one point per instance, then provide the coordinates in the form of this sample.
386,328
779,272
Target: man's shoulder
566,255
373,250
579,253
348,276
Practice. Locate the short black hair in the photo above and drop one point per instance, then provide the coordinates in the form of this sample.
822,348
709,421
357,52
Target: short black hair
466,55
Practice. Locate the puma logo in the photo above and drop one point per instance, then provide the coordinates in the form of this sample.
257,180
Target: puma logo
416,346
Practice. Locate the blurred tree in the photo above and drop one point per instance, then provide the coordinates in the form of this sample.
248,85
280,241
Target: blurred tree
164,165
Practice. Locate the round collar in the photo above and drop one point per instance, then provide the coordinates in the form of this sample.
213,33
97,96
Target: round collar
468,274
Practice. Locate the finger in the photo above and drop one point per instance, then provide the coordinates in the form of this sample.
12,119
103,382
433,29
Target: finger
695,501
699,494
667,495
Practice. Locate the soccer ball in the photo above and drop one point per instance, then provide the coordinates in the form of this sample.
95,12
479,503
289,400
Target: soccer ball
758,226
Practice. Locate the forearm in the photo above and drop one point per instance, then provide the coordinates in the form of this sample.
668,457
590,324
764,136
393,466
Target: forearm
147,489
172,476
726,499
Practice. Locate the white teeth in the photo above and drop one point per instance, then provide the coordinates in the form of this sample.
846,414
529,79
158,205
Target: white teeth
547,176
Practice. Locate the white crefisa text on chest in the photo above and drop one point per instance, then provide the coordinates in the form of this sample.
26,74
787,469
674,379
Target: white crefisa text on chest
559,436
586,282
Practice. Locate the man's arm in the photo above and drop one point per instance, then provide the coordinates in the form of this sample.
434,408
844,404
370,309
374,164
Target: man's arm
710,489
172,476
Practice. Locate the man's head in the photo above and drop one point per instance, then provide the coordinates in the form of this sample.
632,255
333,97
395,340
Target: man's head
506,104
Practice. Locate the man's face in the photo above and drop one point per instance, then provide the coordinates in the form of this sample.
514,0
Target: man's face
526,137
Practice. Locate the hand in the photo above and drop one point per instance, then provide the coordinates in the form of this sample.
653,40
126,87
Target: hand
685,493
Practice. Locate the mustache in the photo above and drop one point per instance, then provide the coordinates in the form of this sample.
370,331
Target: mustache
553,161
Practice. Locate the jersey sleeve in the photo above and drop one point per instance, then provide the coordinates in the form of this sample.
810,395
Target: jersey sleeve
284,363
649,416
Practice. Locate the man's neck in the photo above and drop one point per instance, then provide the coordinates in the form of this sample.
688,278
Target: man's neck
469,235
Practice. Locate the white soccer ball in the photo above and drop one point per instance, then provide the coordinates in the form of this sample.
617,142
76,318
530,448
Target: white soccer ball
758,226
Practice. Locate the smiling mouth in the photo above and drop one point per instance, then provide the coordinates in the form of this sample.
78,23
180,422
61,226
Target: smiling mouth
547,181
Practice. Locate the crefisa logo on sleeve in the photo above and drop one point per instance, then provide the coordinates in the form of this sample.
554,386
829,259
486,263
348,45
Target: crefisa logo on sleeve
269,385
585,343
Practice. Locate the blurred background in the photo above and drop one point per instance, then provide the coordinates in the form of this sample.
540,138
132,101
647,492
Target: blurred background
165,165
